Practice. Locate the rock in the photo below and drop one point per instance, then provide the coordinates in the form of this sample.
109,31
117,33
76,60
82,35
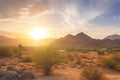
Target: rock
118,67
20,71
27,75
73,66
78,66
8,75
11,68
78,62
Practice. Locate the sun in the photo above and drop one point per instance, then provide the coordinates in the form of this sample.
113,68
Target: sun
38,34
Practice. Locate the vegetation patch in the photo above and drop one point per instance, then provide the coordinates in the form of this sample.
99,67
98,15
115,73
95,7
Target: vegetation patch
6,51
113,62
90,73
46,58
27,58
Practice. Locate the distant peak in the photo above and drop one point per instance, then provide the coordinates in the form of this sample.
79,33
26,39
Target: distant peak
82,33
113,37
69,35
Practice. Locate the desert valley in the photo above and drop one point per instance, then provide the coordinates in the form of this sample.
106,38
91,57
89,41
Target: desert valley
70,58
59,39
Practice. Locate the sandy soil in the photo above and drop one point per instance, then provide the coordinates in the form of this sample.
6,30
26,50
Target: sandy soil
110,74
74,74
58,74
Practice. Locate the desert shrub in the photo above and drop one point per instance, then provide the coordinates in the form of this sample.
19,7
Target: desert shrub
6,52
46,58
70,49
109,63
27,58
112,62
101,52
85,50
114,50
90,73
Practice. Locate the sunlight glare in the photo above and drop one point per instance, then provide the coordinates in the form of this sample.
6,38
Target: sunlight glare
38,34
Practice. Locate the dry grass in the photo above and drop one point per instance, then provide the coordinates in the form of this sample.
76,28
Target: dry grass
6,52
113,62
45,59
90,73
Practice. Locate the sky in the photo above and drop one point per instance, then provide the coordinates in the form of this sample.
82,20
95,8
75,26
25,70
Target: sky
97,18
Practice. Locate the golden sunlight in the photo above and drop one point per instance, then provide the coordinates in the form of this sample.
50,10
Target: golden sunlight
37,34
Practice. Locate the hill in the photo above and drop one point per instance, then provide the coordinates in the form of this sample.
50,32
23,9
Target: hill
10,41
78,40
113,37
83,40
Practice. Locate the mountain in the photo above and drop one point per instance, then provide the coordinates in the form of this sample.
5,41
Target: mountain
113,37
11,34
79,40
83,40
10,41
82,36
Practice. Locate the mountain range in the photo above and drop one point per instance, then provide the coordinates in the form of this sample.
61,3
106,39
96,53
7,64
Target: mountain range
78,40
10,41
83,40
113,37
14,39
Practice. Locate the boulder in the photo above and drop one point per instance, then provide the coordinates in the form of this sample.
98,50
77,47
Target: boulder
8,75
27,75
11,68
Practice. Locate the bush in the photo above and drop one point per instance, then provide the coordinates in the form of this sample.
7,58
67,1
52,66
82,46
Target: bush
45,59
26,59
112,62
114,50
101,52
85,50
90,73
6,52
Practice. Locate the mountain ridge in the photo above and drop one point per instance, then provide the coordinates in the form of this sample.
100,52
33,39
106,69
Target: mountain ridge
113,37
83,40
78,40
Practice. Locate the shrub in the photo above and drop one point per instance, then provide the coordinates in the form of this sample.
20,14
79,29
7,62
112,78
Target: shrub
101,52
112,62
6,52
90,73
109,63
27,59
45,59
70,49
114,50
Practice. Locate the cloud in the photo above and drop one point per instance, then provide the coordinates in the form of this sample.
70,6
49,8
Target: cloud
15,8
10,8
73,8
59,16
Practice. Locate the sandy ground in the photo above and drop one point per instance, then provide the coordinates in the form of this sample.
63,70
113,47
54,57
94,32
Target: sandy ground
74,74
58,74
62,74
110,74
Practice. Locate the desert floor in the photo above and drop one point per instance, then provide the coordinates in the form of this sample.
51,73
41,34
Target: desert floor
64,73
